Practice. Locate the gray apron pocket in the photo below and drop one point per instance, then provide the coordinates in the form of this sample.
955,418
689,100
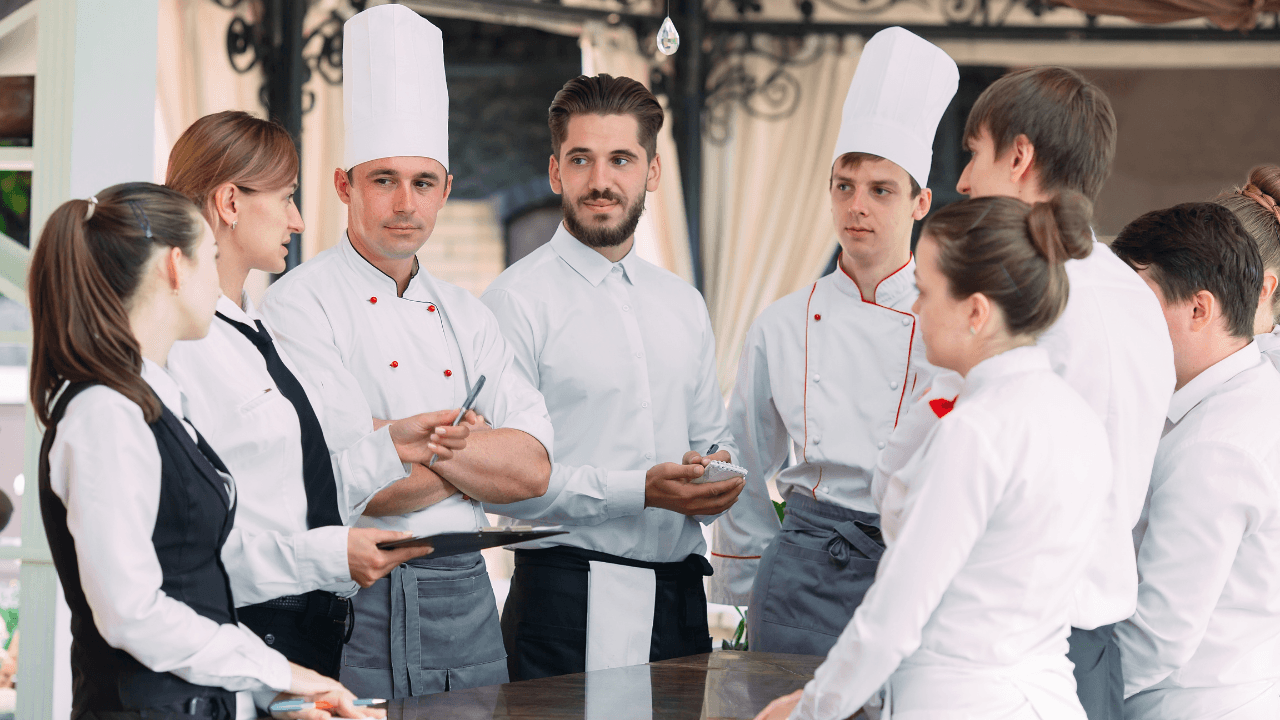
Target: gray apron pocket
810,589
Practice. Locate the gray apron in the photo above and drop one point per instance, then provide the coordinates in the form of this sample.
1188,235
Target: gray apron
812,577
430,626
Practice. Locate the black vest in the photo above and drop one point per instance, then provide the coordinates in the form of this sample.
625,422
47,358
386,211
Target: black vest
192,523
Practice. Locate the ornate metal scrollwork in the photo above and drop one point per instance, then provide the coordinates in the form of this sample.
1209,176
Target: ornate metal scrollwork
755,74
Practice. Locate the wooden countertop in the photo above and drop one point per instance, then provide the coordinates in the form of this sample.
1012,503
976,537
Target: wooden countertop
723,684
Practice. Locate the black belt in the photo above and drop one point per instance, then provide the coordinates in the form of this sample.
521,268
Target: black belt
316,602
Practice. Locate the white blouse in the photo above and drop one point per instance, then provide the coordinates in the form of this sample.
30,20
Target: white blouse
826,373
105,466
373,354
234,401
998,509
1207,626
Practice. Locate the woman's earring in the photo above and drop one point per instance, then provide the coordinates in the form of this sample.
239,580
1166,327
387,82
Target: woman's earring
234,223
973,330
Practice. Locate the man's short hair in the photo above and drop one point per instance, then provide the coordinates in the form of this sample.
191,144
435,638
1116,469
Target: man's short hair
606,95
853,159
1068,119
1198,246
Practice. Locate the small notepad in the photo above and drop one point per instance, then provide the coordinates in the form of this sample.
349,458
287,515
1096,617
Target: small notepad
718,471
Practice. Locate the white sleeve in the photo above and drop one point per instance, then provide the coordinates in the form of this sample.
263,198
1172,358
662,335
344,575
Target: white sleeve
953,494
1198,517
741,535
265,564
911,431
109,470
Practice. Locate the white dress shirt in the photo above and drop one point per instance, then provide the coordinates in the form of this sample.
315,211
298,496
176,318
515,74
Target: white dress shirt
829,374
1269,344
254,428
1208,614
1112,346
969,610
624,355
105,467
373,354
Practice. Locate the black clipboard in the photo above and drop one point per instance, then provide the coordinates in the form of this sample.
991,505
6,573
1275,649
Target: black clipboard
457,543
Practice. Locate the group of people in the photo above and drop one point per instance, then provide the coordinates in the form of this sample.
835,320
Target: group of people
1031,475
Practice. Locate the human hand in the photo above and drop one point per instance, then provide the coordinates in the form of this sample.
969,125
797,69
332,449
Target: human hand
367,563
693,458
422,436
475,421
667,486
331,698
781,708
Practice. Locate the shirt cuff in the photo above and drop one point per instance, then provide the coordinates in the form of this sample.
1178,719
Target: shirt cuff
370,465
323,555
624,492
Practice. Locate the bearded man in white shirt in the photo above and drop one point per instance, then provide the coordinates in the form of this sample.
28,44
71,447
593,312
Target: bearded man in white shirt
1032,134
379,335
624,354
1205,639
828,369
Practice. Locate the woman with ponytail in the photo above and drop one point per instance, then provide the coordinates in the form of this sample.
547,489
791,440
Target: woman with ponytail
293,560
990,524
1255,205
136,506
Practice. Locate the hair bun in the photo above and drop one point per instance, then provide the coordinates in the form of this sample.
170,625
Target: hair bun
1059,227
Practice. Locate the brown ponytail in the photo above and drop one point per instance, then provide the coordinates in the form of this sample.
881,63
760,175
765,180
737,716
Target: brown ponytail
1013,253
83,276
1255,206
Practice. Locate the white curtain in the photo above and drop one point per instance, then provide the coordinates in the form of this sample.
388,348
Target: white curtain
662,237
766,206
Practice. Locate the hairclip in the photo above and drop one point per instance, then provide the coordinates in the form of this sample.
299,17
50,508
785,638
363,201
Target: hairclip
93,205
141,217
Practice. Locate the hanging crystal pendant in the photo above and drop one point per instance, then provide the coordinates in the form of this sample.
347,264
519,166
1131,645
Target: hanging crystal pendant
668,38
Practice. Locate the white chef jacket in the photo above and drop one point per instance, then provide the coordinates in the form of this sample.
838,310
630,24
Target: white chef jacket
829,373
105,467
624,355
1269,344
254,429
1112,346
373,354
1208,613
999,507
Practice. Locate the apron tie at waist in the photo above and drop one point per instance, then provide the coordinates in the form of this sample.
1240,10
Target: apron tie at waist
855,534
406,634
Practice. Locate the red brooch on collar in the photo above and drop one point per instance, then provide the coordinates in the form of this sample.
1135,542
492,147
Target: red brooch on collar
942,406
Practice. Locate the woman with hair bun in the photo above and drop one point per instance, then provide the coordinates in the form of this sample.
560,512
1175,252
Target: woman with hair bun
1255,205
990,524
294,564
136,506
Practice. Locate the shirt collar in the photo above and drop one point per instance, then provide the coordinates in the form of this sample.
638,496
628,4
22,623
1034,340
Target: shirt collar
366,271
1202,385
591,265
245,314
1269,341
890,290
165,387
1022,359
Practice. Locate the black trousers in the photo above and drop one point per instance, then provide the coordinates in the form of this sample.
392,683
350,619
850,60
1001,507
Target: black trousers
310,639
544,623
1099,680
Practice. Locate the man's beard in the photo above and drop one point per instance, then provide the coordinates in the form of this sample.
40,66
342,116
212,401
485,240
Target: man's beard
597,236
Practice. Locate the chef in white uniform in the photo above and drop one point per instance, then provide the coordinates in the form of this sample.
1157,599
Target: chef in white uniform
624,354
1254,205
1035,133
1205,639
827,370
293,561
989,526
381,338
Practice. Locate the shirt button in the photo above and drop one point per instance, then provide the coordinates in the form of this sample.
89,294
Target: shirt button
269,639
644,404
373,301
639,354
893,385
817,439
648,456
906,321
431,308
395,364
817,316
880,445
626,308
816,377
448,373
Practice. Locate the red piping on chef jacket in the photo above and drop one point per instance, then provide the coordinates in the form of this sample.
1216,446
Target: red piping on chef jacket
736,557
910,344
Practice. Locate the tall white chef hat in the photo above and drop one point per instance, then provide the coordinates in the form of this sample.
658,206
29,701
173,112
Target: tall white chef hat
394,99
902,86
